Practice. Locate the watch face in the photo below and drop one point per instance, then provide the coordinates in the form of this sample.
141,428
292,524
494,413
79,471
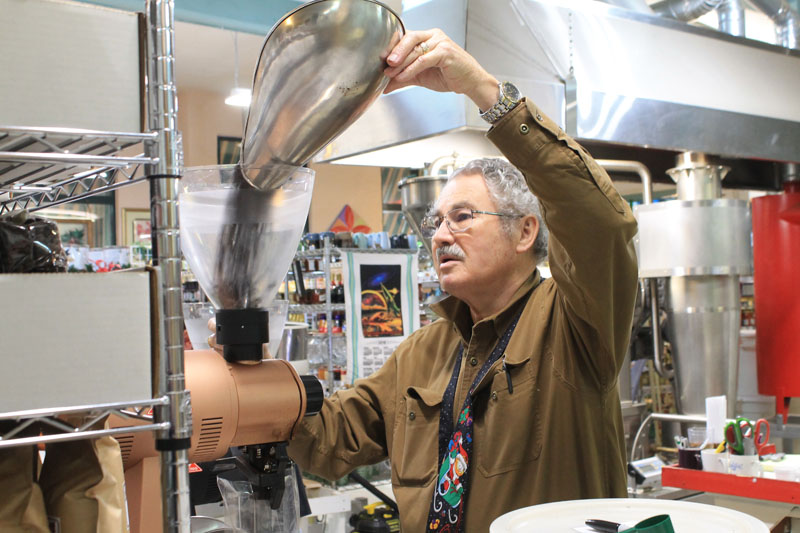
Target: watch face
510,91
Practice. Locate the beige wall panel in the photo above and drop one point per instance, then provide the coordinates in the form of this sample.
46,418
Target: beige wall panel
338,185
202,116
136,196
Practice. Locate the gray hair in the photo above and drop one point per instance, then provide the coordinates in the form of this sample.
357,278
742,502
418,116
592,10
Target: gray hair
510,193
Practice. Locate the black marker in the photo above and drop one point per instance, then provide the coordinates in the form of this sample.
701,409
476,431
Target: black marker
604,526
508,377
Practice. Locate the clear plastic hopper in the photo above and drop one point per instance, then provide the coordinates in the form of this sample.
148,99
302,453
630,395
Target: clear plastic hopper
239,242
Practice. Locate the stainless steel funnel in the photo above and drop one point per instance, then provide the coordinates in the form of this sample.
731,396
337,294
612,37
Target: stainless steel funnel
320,68
239,242
417,196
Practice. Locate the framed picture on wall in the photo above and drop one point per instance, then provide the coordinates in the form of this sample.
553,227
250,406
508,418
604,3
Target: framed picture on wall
75,232
136,226
228,150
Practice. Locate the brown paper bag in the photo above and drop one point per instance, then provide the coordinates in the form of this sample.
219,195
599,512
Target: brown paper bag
83,486
21,505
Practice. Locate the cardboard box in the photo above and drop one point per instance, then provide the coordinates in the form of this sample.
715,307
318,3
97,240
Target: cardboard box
75,339
70,65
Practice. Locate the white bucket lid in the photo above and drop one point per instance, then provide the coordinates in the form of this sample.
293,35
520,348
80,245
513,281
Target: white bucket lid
570,516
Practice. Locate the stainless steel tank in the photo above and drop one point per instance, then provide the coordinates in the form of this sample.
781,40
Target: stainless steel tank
417,196
701,243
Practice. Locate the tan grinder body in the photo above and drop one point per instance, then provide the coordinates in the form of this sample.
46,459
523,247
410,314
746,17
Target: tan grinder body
232,405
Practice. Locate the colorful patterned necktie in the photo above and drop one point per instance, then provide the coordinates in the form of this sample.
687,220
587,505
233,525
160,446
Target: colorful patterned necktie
446,513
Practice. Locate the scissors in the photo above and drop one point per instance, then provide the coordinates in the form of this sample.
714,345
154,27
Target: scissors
757,433
761,435
737,433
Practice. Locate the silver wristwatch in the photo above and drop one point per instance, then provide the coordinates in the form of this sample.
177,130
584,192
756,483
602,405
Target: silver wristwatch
509,98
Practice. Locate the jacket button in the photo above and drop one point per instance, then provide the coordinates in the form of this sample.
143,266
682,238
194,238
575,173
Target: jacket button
473,361
524,129
412,415
539,117
494,395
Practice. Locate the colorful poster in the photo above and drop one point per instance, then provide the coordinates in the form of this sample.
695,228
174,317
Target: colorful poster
382,307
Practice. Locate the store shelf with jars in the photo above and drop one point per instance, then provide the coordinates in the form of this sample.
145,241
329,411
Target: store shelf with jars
315,290
430,292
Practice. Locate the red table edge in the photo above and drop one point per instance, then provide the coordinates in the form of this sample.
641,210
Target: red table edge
746,487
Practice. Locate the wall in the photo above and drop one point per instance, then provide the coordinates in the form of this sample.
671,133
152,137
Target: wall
136,196
202,115
337,185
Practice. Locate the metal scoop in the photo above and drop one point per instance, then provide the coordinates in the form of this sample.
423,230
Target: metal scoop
320,68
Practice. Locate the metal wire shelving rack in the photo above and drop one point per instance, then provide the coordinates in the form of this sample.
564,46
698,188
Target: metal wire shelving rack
43,167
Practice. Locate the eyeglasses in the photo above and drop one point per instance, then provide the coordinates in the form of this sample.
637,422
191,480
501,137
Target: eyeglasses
458,220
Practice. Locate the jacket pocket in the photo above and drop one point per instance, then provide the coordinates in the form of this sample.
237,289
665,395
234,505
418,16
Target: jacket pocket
416,437
508,432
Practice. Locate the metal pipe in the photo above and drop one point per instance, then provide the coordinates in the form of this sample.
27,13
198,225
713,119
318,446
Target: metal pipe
668,417
163,176
326,267
790,172
30,413
162,94
80,435
656,328
20,201
634,5
614,165
730,15
75,132
784,430
786,19
685,10
85,160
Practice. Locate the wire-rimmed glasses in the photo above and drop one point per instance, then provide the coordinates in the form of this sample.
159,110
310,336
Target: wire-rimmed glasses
458,220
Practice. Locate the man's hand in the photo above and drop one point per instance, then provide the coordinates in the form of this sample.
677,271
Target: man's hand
430,59
212,341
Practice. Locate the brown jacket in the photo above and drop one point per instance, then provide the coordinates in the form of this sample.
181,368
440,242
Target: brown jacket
558,435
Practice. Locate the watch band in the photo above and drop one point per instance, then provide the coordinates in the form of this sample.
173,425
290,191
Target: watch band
508,100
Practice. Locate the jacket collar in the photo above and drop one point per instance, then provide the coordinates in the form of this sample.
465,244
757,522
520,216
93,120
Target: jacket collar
457,313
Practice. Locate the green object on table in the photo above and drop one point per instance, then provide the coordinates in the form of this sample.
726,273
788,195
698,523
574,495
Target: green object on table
738,435
655,524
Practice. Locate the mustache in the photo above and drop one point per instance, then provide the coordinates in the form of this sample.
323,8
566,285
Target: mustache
450,249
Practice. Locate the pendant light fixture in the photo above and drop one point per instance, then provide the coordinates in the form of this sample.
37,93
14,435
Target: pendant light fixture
239,96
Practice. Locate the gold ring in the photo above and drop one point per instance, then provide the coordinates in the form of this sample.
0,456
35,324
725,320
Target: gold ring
424,47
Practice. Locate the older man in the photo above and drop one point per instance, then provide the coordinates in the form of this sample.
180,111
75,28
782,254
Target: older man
510,399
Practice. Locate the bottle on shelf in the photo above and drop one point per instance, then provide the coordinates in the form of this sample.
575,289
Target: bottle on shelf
338,322
322,323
